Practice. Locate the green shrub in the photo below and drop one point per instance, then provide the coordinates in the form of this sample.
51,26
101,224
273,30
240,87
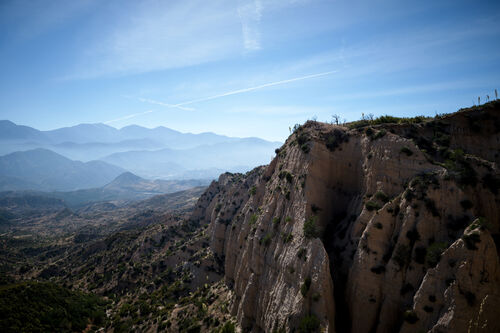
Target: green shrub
335,138
402,255
379,134
310,230
309,324
434,252
410,317
480,223
287,237
304,289
253,219
286,175
371,205
228,328
47,307
380,195
266,240
252,190
407,151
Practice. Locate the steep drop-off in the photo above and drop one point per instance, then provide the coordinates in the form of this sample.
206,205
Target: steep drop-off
382,226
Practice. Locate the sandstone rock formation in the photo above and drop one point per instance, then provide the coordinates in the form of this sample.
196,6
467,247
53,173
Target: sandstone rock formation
374,228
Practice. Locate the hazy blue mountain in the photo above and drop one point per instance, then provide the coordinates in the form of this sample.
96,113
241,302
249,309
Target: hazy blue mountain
238,155
97,150
92,141
124,188
152,153
42,169
11,132
84,133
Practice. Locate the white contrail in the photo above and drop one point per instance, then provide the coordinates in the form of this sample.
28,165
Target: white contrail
229,93
151,101
240,91
128,117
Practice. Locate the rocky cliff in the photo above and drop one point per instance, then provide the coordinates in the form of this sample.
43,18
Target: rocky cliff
388,225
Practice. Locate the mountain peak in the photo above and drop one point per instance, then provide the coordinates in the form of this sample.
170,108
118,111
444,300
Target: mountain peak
127,178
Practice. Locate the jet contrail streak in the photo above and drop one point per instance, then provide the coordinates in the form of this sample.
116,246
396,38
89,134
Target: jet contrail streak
240,91
229,93
128,117
151,101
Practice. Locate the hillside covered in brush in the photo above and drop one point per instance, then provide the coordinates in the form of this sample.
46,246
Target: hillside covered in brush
384,225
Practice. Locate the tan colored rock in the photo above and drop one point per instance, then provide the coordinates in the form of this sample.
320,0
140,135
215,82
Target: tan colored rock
384,211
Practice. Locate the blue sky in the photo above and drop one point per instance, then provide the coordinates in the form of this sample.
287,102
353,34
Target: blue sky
242,68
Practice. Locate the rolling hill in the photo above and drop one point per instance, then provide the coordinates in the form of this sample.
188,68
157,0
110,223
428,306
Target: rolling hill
44,170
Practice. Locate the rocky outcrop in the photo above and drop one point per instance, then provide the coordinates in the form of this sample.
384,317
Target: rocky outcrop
376,228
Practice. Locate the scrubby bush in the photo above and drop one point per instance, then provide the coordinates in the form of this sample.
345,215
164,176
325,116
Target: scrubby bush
228,328
253,219
434,252
380,195
309,324
252,190
371,205
407,151
287,237
310,229
402,255
266,240
46,307
304,289
379,134
410,317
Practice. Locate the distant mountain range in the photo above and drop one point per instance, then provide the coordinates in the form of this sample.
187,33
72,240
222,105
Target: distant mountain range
44,170
123,189
152,153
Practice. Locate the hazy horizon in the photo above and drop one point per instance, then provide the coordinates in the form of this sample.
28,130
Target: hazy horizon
245,68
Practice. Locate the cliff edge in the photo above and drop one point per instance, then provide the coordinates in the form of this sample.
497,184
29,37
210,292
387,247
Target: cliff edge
388,225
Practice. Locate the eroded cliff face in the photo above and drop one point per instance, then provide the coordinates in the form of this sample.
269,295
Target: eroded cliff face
377,229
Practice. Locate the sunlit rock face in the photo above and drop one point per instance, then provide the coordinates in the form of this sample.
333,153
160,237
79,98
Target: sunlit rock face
374,228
